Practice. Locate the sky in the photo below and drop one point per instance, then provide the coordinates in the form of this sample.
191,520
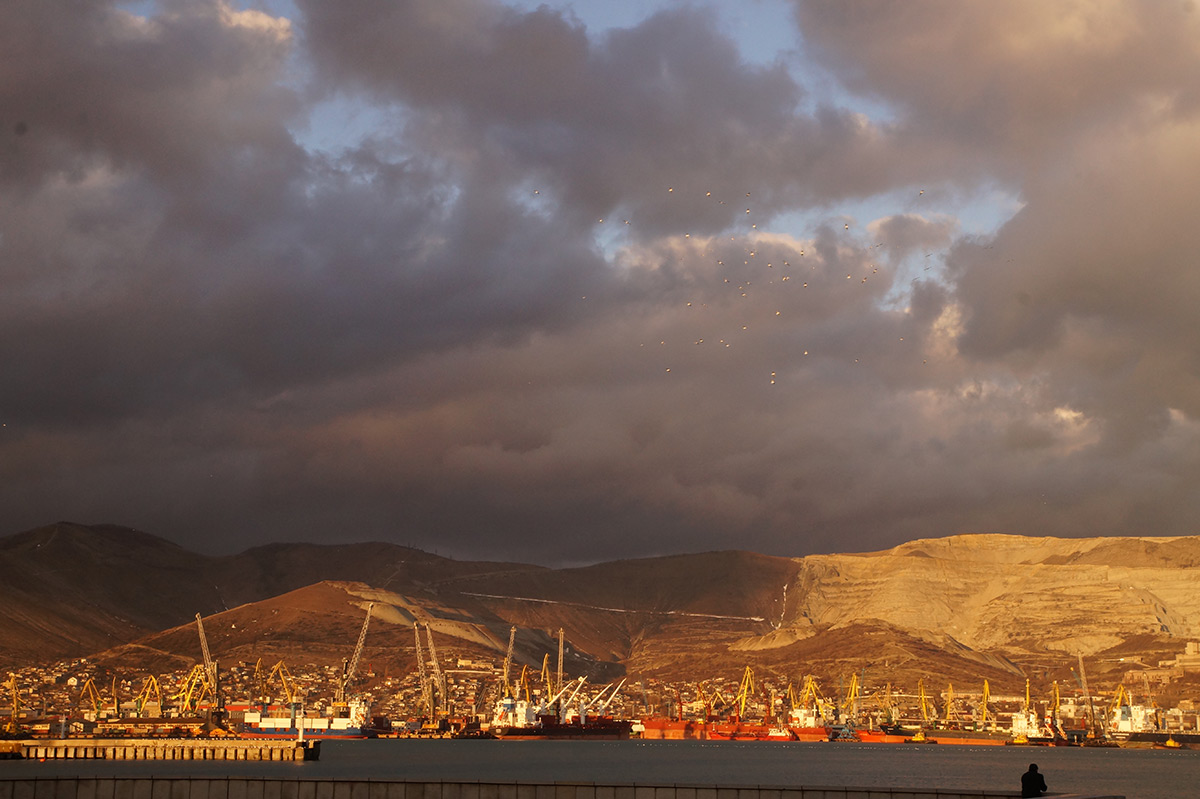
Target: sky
578,281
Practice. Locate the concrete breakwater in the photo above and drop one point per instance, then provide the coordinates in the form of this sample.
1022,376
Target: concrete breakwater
160,749
253,788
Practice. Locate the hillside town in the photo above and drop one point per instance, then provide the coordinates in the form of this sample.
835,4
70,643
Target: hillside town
454,695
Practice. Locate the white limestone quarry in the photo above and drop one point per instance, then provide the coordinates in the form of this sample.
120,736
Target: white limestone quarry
996,591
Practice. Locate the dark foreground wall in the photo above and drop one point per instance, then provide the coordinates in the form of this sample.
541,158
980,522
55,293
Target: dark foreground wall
251,788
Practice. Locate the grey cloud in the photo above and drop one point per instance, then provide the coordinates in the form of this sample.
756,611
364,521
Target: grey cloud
1017,80
214,333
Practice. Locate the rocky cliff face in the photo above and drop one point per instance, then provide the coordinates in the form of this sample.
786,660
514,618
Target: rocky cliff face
1005,592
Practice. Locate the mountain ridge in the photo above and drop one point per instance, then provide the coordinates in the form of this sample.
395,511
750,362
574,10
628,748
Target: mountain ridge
1000,604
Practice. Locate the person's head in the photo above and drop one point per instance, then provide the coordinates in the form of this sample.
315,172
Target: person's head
1033,767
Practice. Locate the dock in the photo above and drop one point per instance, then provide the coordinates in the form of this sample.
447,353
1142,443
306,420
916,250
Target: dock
160,749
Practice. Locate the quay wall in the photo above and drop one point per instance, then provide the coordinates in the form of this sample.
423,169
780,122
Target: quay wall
160,749
269,788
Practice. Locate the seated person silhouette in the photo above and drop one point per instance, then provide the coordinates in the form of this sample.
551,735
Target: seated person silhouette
1032,783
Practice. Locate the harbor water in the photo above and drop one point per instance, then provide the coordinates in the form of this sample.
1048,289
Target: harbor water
1136,774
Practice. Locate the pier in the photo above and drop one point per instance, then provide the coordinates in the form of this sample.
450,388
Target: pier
160,749
252,788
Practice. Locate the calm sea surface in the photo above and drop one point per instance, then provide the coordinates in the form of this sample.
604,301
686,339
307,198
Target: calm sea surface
1137,774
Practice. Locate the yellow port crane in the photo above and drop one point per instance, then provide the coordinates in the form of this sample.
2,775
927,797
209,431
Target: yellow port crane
285,680
150,694
1121,697
192,690
745,689
1052,711
88,692
982,715
928,711
882,700
523,683
545,675
850,703
716,696
15,695
811,696
950,712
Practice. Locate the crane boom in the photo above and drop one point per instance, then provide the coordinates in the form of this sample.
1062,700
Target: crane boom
1094,727
578,688
422,676
349,670
210,665
563,690
559,684
607,702
1083,677
512,637
439,679
362,637
208,661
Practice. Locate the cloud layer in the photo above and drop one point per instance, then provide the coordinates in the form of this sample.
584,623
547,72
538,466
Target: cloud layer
556,304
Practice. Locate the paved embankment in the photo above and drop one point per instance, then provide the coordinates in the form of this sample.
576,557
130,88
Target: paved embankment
252,788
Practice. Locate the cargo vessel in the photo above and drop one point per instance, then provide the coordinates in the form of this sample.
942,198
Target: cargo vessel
987,737
808,724
348,721
549,728
1162,740
654,728
522,719
750,731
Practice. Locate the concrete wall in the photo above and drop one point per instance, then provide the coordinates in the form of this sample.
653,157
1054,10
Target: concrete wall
250,788
166,749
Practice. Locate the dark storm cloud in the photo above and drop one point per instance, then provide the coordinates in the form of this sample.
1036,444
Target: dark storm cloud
604,126
552,306
176,245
